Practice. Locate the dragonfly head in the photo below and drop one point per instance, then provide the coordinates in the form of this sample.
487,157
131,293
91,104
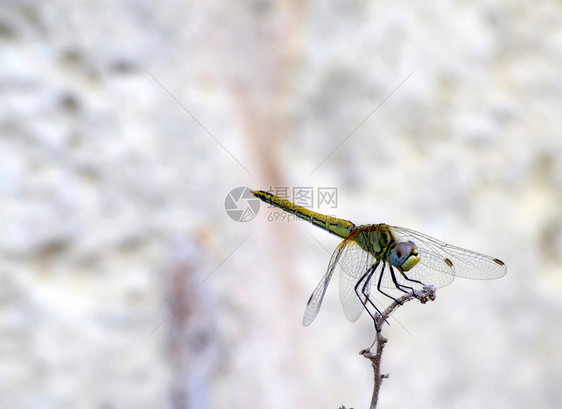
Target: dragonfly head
405,255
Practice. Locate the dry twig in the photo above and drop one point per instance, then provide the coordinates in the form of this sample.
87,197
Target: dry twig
425,295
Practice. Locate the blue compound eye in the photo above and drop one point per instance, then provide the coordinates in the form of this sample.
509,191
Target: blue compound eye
405,255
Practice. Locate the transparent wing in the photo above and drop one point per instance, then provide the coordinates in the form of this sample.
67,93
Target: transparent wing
439,264
315,300
437,257
354,263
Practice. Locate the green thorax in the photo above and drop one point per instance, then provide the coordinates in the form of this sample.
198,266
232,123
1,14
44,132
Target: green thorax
377,239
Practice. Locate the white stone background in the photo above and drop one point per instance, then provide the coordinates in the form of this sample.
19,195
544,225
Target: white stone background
112,199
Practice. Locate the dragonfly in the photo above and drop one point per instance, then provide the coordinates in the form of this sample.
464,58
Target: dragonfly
391,259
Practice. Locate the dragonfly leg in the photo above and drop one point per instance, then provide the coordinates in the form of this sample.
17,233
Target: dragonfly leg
380,281
402,286
395,281
368,298
365,289
410,279
367,276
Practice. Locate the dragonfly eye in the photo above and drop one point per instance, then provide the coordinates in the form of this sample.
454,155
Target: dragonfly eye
405,255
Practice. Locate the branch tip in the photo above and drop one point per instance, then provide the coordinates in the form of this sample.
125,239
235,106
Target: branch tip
428,293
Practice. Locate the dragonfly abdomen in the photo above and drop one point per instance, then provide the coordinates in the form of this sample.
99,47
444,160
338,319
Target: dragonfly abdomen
339,227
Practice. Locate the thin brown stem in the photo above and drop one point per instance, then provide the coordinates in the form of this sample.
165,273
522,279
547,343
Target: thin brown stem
425,295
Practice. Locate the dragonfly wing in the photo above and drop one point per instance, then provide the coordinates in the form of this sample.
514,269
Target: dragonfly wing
354,262
453,260
315,300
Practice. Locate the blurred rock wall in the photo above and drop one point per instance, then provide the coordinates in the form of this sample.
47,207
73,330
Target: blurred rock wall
124,124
